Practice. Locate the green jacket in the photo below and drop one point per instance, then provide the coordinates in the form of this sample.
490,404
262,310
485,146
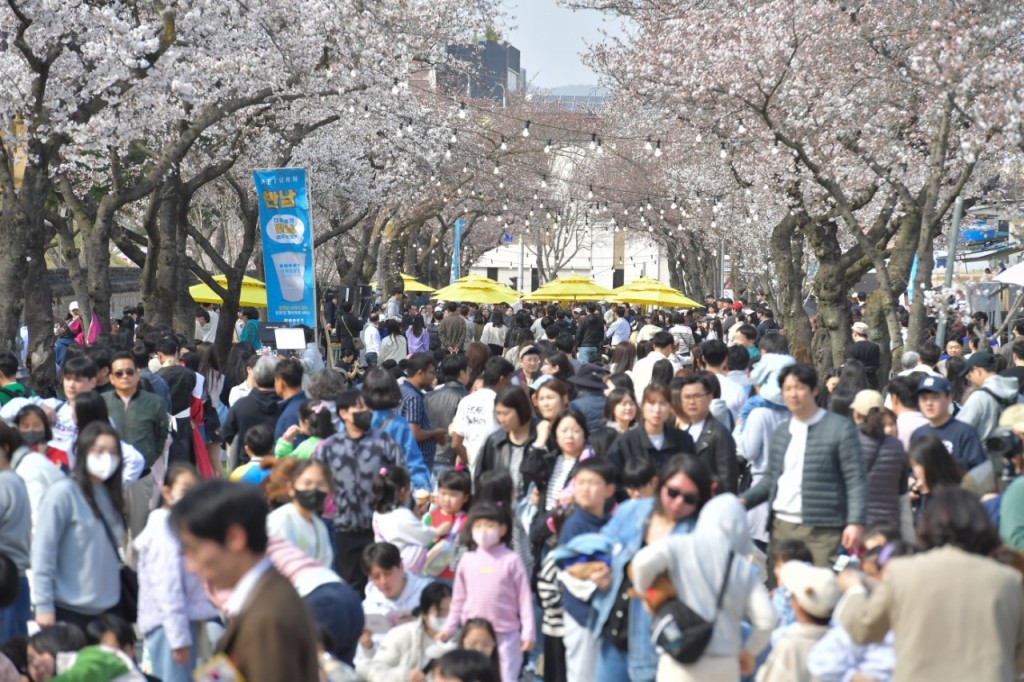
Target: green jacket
142,422
834,487
11,391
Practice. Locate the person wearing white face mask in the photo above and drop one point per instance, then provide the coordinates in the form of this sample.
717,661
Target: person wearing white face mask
407,648
75,563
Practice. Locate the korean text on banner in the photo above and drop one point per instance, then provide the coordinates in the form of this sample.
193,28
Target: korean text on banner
287,245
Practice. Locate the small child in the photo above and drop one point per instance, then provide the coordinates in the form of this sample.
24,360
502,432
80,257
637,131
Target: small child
259,447
478,635
391,596
453,491
782,552
394,522
498,488
491,582
813,594
314,423
640,477
593,486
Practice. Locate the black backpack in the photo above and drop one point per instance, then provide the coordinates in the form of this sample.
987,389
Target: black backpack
434,332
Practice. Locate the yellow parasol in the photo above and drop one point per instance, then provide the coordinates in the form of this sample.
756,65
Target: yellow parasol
476,290
409,283
649,291
254,292
570,288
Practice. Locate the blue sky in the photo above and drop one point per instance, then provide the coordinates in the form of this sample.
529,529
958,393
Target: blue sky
551,39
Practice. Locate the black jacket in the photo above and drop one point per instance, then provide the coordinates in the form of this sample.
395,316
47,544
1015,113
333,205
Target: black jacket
634,444
497,453
868,354
590,332
348,328
259,407
717,449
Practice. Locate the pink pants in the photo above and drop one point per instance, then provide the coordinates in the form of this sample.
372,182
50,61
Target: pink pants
510,655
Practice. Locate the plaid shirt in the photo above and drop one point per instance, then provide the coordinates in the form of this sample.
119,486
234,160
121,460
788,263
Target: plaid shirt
414,408
354,463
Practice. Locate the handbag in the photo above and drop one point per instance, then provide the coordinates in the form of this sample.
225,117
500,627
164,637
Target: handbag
357,341
128,606
679,632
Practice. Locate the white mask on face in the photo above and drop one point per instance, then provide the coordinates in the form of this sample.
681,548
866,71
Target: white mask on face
103,465
436,623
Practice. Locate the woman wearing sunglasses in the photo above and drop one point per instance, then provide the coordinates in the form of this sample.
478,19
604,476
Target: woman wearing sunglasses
622,625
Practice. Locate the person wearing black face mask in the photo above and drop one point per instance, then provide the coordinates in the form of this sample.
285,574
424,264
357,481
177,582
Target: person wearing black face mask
299,522
353,456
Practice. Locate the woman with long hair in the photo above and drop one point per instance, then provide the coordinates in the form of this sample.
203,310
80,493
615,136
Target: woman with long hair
235,370
383,396
417,336
933,468
477,354
394,346
214,411
506,447
623,358
494,334
75,559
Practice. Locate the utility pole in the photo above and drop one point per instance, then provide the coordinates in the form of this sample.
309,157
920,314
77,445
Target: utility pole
947,282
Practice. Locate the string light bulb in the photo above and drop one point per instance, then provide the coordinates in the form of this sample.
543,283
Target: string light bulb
394,88
590,192
504,146
497,169
526,129
593,141
657,149
647,145
462,110
448,152
547,147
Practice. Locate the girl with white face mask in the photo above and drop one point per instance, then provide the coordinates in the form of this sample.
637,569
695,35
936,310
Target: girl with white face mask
407,648
75,560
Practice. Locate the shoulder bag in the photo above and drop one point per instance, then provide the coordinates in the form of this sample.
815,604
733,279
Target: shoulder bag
679,632
128,606
357,341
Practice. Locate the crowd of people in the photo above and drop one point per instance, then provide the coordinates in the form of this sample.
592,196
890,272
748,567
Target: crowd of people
494,494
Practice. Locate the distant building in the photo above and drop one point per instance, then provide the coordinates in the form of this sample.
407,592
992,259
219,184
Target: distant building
490,70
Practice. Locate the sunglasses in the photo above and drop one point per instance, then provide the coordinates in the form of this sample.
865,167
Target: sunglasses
688,498
124,373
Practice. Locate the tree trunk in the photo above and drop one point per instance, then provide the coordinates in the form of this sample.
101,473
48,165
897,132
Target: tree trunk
917,331
162,258
14,224
787,248
41,358
184,308
96,247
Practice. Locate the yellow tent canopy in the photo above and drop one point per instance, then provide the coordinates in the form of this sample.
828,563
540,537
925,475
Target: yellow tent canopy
476,290
254,292
410,283
570,288
649,291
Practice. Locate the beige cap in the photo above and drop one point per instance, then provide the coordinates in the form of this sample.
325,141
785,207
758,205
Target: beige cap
865,400
815,589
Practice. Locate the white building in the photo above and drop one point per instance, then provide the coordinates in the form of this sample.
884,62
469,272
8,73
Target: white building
610,258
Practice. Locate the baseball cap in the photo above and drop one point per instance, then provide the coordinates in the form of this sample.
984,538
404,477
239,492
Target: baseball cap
865,400
589,375
860,328
934,384
737,306
577,310
815,589
529,350
73,306
982,359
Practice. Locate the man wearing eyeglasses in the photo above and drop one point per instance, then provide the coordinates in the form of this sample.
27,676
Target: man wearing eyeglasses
141,419
714,444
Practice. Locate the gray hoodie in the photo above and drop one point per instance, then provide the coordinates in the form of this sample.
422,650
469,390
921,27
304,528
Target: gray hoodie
984,405
696,565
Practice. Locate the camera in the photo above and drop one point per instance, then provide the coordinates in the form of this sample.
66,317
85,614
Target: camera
1004,444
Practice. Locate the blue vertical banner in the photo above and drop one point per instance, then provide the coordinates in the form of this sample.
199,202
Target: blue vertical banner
910,283
460,224
287,245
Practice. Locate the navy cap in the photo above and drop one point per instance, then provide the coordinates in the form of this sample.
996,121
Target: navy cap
982,359
934,384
